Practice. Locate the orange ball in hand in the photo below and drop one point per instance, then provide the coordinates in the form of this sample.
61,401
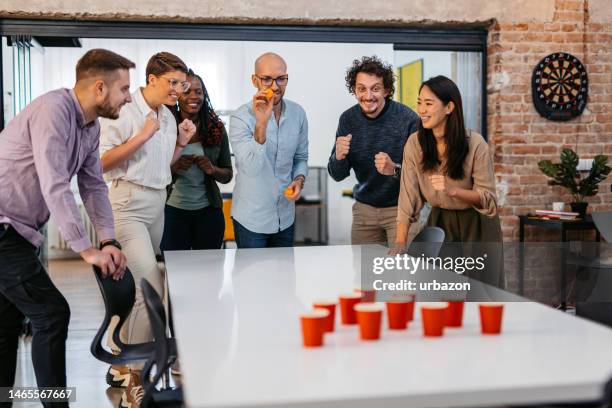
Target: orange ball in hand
269,94
289,192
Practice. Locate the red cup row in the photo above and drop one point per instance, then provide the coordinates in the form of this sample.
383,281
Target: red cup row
354,309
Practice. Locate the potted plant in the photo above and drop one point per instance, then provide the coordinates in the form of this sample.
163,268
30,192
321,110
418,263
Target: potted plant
566,174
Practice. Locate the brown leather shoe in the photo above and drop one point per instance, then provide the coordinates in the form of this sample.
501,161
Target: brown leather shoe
133,394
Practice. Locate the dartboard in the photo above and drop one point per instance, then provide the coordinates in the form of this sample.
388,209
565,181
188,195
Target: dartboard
559,87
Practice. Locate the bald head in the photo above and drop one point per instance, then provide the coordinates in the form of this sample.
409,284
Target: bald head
270,62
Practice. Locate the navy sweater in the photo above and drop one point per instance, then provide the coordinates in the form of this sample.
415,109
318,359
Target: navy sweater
387,133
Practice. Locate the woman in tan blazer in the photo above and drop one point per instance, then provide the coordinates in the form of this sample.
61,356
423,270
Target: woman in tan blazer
451,168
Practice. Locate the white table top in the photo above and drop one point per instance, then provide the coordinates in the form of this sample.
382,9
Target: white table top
238,332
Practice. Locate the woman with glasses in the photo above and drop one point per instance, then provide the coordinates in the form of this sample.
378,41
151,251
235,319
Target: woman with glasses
451,168
193,214
137,150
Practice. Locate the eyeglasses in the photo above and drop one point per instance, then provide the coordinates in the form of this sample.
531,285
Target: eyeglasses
177,85
280,81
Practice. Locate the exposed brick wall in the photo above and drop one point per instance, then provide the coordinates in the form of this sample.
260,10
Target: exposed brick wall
519,136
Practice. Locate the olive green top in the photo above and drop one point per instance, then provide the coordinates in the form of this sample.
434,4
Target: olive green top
220,156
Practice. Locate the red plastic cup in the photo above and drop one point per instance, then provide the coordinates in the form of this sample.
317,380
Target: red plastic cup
347,304
410,315
367,295
433,315
491,317
330,306
397,314
369,316
313,327
454,314
406,297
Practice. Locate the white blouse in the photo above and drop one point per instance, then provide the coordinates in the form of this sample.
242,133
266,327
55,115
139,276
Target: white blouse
150,165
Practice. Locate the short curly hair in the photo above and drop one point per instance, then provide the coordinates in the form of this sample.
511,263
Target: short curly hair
373,66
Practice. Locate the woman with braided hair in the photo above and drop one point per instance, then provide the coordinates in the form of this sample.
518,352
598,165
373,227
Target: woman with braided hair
194,214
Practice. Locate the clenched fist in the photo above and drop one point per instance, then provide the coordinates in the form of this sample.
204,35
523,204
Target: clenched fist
343,145
151,125
384,164
439,184
186,130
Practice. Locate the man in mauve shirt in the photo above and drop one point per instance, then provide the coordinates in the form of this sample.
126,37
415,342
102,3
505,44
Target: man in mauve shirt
53,139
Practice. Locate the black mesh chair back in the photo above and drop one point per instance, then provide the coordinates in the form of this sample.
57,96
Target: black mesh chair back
164,355
118,299
428,242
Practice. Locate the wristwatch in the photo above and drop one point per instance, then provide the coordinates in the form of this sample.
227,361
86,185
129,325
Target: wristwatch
112,242
398,169
300,179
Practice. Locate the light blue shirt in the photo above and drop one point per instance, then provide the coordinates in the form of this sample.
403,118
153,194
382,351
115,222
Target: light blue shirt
264,171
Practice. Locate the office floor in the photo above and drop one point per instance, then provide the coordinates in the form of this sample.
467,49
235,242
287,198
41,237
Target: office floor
75,280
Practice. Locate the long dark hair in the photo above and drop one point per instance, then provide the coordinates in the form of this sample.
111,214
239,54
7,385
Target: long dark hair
209,125
457,144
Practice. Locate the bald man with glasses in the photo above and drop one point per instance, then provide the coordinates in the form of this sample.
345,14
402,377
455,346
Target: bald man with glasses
269,137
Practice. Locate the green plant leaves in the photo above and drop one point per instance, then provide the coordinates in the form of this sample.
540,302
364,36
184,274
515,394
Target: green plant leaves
566,174
598,173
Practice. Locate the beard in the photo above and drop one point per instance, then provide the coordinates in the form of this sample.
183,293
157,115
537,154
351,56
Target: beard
106,110
371,110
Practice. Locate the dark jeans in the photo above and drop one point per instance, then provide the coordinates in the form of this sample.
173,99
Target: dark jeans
249,239
197,229
25,289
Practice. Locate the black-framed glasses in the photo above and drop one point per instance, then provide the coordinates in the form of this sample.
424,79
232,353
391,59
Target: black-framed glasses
177,85
267,81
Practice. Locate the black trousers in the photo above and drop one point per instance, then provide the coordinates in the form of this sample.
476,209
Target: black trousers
27,290
192,229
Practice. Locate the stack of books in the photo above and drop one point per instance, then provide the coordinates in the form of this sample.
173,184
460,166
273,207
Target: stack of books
556,215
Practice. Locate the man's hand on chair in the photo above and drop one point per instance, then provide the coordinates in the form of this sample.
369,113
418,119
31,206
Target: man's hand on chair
110,260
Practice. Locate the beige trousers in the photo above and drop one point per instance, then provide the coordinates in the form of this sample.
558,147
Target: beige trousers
139,225
373,225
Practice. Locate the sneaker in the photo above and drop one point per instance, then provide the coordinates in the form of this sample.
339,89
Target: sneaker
118,376
176,368
133,393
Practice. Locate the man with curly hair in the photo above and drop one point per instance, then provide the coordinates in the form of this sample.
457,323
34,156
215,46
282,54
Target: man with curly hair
370,139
